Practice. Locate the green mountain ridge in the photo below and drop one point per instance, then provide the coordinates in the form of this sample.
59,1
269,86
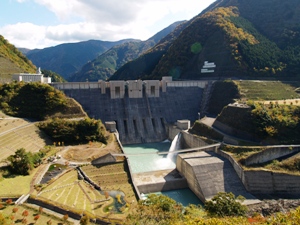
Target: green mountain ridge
246,39
68,58
106,64
140,67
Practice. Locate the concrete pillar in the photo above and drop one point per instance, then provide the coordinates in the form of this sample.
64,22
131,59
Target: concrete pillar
111,126
102,86
135,89
164,82
152,88
117,89
183,124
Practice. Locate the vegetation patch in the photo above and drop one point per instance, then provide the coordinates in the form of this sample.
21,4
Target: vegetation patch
16,99
201,129
74,131
290,165
226,204
277,123
239,152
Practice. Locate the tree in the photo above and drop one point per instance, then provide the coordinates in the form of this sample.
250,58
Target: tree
156,209
65,218
25,214
36,217
20,162
9,201
15,209
225,204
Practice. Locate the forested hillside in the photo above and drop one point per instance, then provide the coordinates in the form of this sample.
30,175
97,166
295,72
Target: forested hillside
12,61
243,38
66,59
144,65
106,64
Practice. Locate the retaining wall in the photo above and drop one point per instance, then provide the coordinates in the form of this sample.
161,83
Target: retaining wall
192,141
263,181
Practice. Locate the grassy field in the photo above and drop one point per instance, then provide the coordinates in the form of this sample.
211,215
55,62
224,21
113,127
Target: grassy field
266,90
15,185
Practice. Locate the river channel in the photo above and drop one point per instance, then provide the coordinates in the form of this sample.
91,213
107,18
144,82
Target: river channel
141,162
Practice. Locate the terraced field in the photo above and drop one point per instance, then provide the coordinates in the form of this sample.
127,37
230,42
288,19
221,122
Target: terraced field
111,177
16,133
77,195
266,90
69,191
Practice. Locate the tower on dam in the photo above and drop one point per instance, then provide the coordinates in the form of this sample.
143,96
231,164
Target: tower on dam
140,109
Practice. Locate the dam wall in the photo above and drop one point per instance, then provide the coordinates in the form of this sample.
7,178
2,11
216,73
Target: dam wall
140,109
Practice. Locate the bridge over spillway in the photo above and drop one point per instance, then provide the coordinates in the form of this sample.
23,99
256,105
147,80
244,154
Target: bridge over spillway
140,109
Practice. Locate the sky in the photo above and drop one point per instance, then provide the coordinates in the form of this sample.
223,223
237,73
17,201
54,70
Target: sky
44,23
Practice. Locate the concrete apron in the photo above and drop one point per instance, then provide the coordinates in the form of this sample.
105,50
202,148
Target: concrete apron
157,181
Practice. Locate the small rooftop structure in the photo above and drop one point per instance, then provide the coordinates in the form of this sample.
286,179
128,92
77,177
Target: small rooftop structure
32,77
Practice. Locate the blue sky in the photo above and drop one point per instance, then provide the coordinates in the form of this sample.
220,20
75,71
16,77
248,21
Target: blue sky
44,23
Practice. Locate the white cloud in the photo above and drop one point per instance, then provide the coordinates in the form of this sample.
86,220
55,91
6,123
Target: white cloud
103,20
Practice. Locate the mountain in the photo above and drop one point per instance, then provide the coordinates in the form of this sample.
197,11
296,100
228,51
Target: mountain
105,65
66,59
243,38
55,77
12,61
141,67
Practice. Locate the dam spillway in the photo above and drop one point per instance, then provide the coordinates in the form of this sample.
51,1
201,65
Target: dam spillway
140,109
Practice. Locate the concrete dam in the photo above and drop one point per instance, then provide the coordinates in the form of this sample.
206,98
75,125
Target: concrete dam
140,110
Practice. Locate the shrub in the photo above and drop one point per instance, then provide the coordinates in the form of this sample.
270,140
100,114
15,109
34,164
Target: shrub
225,204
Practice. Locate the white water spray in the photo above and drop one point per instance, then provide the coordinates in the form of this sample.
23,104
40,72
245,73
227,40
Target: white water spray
175,145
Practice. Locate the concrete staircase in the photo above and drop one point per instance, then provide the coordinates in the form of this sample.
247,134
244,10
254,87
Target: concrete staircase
205,98
207,174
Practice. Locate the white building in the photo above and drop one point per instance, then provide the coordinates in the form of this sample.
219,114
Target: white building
31,77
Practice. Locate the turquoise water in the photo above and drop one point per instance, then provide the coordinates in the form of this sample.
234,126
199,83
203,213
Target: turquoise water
153,162
149,162
184,196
